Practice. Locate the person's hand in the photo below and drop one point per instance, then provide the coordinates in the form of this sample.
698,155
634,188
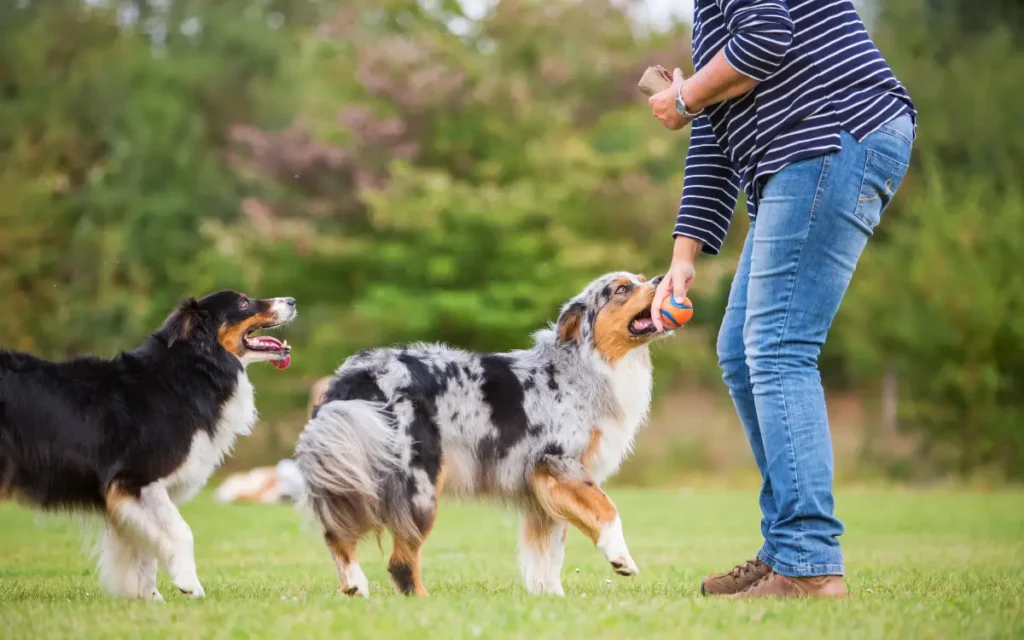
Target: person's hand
679,277
663,104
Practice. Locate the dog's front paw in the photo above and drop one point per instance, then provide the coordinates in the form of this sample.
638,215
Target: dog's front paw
624,566
354,582
356,591
193,590
613,545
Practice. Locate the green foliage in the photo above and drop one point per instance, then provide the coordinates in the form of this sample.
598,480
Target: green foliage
109,166
950,319
458,187
408,173
939,293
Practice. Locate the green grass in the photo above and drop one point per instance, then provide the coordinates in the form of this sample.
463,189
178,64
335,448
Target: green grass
920,565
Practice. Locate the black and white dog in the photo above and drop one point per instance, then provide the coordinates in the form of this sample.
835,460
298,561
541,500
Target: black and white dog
541,429
133,436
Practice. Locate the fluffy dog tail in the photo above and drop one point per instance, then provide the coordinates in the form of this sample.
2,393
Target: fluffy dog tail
348,458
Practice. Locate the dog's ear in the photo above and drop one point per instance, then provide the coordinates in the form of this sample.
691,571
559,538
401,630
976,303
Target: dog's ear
185,323
570,322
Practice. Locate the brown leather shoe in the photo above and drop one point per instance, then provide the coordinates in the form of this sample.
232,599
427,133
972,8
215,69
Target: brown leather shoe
776,585
739,578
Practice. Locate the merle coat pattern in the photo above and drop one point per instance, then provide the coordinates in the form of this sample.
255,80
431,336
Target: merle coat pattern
540,428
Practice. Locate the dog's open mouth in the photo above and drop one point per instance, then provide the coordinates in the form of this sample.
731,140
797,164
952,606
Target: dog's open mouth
269,344
642,324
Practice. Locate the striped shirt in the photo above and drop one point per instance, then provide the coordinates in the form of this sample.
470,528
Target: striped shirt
819,73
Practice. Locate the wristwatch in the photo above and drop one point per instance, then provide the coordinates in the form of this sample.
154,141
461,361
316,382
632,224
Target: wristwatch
681,106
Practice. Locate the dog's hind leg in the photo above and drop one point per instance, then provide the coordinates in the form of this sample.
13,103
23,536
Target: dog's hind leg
353,580
404,567
566,491
410,524
125,569
151,520
542,552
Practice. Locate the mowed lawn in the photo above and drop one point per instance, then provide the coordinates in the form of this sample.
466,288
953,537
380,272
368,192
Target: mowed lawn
920,565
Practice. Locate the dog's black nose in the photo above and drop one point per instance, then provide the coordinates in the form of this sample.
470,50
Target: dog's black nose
657,280
290,302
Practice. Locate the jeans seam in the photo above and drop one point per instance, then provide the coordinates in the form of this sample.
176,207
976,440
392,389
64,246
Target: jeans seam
896,136
815,205
860,190
825,164
891,131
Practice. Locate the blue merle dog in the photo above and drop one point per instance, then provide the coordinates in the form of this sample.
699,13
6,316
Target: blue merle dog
540,429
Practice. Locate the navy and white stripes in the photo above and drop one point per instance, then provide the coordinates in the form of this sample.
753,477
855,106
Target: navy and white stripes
762,33
819,73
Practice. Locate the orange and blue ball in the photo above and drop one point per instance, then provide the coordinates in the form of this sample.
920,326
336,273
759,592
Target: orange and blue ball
674,313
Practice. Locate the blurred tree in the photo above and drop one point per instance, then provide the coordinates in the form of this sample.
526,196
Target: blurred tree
461,185
937,298
111,135
410,173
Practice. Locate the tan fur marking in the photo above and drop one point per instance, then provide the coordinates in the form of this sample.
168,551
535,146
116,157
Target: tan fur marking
115,498
442,474
406,554
569,327
578,500
7,492
343,551
611,329
13,495
230,337
592,447
537,527
344,554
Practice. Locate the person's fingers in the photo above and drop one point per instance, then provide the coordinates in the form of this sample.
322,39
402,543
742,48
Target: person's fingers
660,293
677,75
681,282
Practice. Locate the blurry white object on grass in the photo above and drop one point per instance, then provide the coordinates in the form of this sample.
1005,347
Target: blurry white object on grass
262,484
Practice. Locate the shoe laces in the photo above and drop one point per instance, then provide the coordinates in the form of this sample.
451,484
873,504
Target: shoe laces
764,580
747,568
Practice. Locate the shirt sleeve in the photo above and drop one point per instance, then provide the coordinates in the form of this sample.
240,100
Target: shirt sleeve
761,33
710,190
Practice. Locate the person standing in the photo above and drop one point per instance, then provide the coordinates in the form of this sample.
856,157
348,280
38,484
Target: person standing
792,102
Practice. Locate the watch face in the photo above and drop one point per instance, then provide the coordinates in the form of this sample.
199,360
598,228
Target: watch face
680,107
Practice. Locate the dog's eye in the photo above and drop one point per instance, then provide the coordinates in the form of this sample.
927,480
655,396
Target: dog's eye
243,304
622,289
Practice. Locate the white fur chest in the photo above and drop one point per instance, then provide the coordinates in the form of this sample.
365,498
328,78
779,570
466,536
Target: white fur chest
631,386
237,417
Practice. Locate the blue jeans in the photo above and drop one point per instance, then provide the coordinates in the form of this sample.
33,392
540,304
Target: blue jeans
814,218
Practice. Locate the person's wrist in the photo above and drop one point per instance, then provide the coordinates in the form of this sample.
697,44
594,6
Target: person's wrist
686,248
686,103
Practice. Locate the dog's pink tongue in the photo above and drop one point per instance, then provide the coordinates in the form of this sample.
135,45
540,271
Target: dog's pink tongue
266,341
271,341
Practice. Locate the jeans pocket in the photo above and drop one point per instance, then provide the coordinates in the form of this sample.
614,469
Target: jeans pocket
882,177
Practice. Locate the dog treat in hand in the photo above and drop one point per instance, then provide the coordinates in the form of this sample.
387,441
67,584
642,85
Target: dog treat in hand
655,79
